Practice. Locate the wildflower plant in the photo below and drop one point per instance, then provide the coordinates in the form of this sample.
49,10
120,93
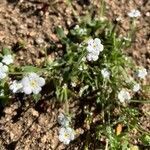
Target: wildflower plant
93,68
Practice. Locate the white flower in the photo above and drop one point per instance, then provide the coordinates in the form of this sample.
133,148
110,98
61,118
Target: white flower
94,48
134,13
136,87
124,95
16,86
7,59
3,71
92,57
141,73
81,31
66,135
105,73
73,84
63,120
32,83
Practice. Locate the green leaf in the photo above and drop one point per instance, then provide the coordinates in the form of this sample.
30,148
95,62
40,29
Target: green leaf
6,51
30,69
60,32
36,97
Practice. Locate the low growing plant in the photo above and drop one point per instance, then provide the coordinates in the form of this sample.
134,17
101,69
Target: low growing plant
94,69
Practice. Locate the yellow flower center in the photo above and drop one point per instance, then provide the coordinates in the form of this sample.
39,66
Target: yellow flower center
66,135
33,83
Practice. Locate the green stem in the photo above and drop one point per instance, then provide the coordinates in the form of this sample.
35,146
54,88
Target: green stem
66,107
140,101
16,73
102,8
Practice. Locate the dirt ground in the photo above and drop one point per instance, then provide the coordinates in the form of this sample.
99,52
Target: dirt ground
25,125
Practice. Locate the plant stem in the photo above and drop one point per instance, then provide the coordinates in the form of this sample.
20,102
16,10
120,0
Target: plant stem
66,107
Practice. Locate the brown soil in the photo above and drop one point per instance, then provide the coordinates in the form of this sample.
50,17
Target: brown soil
25,125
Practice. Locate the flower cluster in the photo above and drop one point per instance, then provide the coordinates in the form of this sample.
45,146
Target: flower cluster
124,95
31,83
80,31
66,133
94,48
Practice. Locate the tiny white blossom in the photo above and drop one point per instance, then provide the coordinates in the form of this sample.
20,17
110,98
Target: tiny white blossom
73,84
94,48
64,86
105,73
63,120
141,73
134,13
92,57
7,59
124,95
81,31
2,93
76,27
3,71
32,83
66,135
16,86
136,87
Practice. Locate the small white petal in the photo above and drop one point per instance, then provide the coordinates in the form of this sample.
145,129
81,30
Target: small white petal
41,81
27,90
95,57
136,87
37,90
3,71
7,59
25,81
